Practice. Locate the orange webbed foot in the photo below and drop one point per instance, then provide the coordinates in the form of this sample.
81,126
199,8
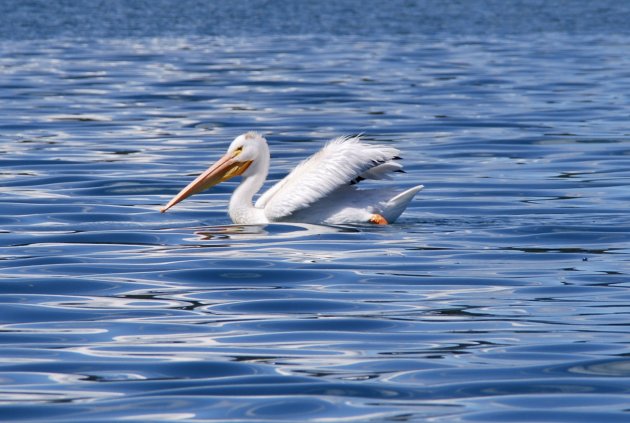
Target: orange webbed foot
377,219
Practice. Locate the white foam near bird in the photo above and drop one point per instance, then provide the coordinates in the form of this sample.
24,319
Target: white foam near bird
321,189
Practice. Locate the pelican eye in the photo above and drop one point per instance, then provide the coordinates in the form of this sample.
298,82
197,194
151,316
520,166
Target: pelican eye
238,151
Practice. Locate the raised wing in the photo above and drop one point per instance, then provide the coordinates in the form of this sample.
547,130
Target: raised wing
341,162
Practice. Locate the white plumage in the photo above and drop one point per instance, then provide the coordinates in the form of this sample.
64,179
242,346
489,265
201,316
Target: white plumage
321,189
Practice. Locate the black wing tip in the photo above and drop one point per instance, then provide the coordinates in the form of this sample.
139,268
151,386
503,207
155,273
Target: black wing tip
357,180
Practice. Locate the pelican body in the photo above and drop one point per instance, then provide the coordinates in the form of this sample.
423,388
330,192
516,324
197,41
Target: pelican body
320,190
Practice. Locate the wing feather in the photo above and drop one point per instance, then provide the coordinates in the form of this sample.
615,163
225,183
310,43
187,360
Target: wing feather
342,161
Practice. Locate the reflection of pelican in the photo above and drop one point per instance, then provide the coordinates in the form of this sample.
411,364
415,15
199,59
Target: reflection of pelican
322,189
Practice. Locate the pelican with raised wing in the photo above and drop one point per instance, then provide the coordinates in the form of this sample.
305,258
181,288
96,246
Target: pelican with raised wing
321,189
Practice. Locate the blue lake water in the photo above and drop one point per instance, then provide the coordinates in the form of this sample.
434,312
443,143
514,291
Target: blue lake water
501,294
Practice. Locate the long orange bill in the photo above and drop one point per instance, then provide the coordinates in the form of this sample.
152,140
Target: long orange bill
227,167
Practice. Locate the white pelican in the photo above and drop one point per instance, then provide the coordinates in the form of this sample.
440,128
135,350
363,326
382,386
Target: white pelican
321,189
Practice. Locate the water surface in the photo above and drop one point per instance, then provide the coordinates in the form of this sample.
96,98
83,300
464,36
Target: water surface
500,295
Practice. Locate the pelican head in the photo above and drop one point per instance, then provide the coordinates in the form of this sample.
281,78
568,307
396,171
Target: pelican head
247,155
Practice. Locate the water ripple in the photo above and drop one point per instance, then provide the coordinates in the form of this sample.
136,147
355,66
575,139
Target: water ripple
499,296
